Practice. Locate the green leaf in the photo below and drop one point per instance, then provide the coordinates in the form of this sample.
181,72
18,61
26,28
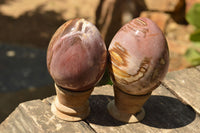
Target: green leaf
105,79
196,35
193,15
110,82
193,56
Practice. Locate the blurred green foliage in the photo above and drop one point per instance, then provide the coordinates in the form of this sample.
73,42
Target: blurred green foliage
193,56
193,18
195,36
193,15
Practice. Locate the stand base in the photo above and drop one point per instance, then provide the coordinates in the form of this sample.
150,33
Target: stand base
124,117
70,105
70,113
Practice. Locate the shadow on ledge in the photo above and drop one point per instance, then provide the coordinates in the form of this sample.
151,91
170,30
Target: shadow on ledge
161,112
99,114
167,112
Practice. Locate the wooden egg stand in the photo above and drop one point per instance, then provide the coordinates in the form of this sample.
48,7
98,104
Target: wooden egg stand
126,107
71,105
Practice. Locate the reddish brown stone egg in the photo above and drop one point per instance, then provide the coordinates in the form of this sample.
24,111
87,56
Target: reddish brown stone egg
76,56
139,57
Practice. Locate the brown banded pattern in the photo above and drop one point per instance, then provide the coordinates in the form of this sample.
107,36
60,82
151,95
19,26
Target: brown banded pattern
138,26
118,55
126,78
139,22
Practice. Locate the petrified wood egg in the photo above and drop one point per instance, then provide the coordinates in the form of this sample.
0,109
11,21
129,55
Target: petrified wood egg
76,56
139,57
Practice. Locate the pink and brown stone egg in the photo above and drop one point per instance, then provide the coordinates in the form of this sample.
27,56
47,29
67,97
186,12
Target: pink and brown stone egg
77,55
139,57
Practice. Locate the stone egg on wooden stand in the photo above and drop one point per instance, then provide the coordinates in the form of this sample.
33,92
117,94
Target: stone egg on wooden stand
138,61
76,60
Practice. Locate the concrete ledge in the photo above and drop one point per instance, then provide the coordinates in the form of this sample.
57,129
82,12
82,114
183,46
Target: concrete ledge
169,109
